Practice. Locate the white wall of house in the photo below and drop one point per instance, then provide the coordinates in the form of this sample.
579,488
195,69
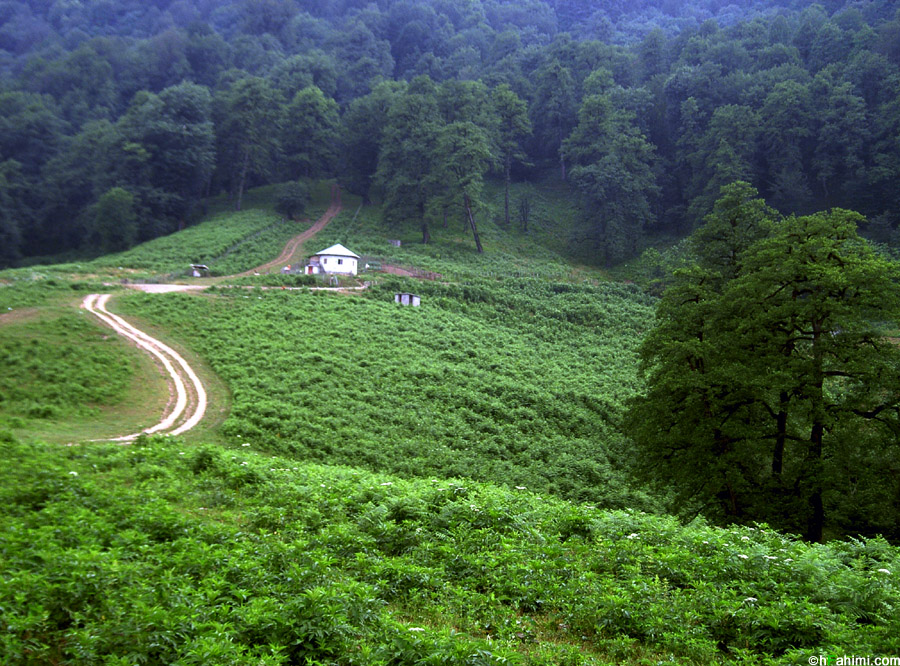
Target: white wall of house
333,264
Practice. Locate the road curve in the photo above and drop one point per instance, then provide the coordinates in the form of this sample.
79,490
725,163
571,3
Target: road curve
190,396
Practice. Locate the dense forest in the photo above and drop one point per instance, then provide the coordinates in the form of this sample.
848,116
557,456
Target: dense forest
118,119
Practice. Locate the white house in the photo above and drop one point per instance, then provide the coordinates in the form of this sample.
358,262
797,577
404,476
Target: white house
335,259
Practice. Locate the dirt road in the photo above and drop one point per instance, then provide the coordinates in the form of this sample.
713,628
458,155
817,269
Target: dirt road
294,245
188,405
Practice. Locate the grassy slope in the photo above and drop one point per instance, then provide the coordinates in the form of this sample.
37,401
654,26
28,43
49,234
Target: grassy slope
164,552
160,553
65,377
515,383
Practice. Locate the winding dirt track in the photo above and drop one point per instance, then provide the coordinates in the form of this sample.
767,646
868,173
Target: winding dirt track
190,400
190,396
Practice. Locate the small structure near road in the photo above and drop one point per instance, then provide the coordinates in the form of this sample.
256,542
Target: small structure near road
335,259
199,270
405,298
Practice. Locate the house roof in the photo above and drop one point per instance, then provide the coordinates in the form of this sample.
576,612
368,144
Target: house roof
337,251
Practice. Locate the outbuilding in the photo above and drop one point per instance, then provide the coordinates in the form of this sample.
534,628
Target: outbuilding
335,259
404,298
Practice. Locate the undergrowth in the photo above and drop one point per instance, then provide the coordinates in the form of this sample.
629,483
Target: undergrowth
160,554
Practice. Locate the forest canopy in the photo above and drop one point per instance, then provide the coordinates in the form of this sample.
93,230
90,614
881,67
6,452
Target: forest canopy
141,110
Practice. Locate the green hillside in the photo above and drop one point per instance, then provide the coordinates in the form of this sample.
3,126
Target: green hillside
164,553
446,484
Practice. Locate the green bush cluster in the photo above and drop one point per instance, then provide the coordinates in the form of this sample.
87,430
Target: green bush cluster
517,382
160,554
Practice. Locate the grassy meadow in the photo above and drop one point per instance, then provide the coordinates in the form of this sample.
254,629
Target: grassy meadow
378,485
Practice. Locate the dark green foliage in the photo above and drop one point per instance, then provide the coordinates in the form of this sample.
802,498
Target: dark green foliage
801,101
153,554
114,225
292,199
771,384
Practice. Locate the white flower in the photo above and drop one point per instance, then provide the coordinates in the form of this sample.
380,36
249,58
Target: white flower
633,535
706,542
520,487
245,463
416,629
181,453
788,560
387,483
74,473
745,538
742,556
884,571
751,600
770,557
246,444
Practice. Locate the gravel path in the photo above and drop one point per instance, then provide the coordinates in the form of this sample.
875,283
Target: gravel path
190,397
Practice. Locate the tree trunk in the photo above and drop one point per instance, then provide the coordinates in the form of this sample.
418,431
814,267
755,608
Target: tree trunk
426,235
780,435
506,190
468,205
562,158
245,166
816,524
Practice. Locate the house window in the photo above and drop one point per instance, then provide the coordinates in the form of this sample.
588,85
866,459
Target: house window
324,261
340,261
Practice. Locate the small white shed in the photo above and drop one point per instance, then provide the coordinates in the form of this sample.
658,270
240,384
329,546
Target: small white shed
404,298
335,259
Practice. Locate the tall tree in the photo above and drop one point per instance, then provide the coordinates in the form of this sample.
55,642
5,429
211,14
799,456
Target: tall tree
761,386
311,136
362,127
247,131
10,213
114,223
464,156
176,129
408,157
554,109
613,169
513,126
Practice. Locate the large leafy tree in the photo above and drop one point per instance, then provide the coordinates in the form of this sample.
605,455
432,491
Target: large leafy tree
363,124
114,223
408,158
248,119
771,386
513,126
464,158
176,129
554,109
613,169
311,138
10,214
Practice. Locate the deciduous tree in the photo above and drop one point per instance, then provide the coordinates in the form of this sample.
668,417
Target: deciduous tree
769,375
